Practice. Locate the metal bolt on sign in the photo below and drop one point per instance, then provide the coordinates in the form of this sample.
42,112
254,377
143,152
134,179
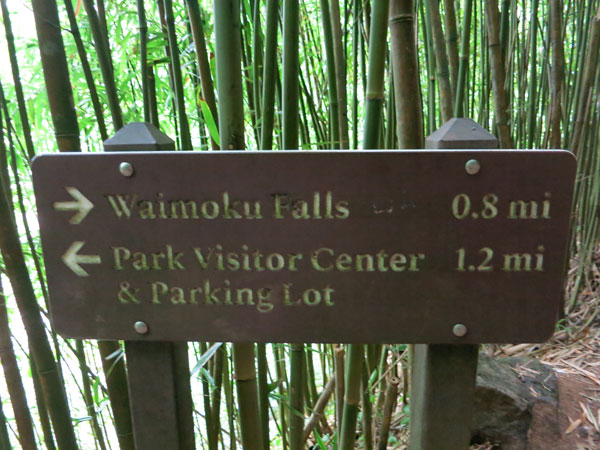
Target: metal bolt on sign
140,327
472,166
459,330
126,169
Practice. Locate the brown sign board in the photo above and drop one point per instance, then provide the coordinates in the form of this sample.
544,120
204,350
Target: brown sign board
364,246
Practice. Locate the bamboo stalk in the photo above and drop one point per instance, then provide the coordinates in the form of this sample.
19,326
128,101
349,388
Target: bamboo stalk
291,67
409,116
162,15
352,395
484,105
229,74
4,174
184,128
245,376
56,74
291,119
504,25
431,91
532,85
40,401
340,71
257,62
211,436
87,71
375,95
228,390
574,77
215,401
543,103
105,63
296,396
21,206
204,133
14,383
497,65
104,28
475,57
464,59
203,65
381,370
338,354
153,100
247,71
113,366
14,66
143,28
87,395
319,409
441,60
356,44
334,116
280,371
311,376
587,78
451,42
231,131
366,408
316,117
390,130
391,394
268,78
52,385
185,405
263,392
4,438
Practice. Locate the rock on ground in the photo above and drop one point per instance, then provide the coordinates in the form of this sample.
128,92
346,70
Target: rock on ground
523,404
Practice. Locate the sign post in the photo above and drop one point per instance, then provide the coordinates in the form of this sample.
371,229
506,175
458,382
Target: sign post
157,372
443,375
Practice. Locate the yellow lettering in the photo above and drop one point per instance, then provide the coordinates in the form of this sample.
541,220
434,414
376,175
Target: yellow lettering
368,263
139,261
158,288
342,209
177,297
120,254
414,261
263,304
397,262
343,262
314,259
281,205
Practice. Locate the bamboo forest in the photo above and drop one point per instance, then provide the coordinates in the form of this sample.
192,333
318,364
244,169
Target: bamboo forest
320,77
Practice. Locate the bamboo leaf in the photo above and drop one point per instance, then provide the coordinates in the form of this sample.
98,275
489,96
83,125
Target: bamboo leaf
210,121
205,358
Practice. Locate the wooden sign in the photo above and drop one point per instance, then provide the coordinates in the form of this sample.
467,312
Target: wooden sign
363,246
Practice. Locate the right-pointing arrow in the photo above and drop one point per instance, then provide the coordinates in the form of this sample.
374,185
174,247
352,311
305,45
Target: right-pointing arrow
81,204
73,260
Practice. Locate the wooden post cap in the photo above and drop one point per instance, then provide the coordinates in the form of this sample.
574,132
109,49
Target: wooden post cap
139,136
459,133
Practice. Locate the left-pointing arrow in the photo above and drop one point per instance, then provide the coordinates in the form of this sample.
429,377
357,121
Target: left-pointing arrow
73,260
80,204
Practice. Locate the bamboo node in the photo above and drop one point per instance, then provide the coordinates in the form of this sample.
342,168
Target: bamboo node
401,18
